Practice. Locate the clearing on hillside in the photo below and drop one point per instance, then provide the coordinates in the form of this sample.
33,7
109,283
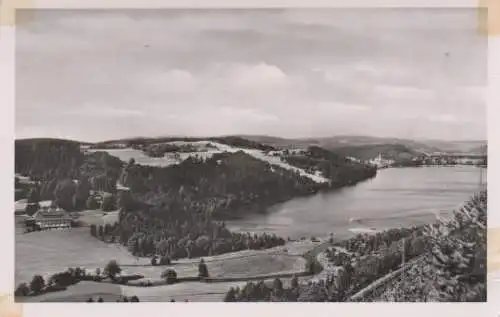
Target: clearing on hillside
141,158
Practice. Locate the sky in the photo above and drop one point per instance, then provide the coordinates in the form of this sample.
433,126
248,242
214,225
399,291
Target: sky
94,75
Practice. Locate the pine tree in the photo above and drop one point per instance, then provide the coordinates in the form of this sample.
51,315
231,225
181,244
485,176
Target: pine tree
458,251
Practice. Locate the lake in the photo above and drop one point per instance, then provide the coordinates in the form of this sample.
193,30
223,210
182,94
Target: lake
395,197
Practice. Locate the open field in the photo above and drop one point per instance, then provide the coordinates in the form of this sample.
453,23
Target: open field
260,263
191,291
80,293
48,252
97,217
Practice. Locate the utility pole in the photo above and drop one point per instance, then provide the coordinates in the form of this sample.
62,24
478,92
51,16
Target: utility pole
481,171
403,284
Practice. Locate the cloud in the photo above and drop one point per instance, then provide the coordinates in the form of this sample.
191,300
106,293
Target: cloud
101,110
444,118
171,81
259,75
403,92
262,71
342,108
246,114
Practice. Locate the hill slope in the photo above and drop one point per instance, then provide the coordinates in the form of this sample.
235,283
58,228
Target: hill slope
397,152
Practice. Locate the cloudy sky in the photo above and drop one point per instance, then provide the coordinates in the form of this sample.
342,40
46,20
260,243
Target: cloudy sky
95,75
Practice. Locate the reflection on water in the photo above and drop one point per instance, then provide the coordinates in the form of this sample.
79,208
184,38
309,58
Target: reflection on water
396,197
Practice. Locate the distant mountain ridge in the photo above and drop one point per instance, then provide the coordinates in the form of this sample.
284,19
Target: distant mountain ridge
339,144
343,141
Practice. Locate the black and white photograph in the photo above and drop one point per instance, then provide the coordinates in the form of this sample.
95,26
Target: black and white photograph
250,155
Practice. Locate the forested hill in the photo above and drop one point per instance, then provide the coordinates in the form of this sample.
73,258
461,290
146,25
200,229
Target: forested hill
243,177
397,152
227,184
47,158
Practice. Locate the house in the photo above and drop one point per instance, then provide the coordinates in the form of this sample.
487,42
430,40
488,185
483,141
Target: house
48,218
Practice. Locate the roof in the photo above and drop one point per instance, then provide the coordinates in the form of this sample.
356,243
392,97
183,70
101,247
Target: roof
121,187
20,205
51,214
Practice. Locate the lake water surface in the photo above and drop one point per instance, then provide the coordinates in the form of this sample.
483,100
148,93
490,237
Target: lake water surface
395,197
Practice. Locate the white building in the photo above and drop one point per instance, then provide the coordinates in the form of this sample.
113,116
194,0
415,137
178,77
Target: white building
381,162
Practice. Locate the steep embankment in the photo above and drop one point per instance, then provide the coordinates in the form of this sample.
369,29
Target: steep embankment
456,261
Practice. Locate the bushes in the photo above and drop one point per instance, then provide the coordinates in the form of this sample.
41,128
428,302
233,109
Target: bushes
134,299
202,269
63,279
112,269
22,290
256,292
37,284
458,252
54,288
170,276
165,260
60,281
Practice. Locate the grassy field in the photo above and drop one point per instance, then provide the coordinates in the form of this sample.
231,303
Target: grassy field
49,252
80,293
97,217
191,291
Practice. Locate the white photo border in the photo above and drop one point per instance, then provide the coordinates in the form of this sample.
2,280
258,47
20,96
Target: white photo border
7,136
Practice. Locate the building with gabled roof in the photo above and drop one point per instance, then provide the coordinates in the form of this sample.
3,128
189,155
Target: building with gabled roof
48,218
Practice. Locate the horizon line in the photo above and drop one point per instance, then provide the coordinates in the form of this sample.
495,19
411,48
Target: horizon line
304,138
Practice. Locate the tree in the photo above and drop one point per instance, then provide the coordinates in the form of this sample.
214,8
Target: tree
202,269
22,290
295,282
230,296
458,244
165,260
170,276
37,284
124,201
82,192
101,232
107,229
92,203
108,203
93,230
63,194
112,269
134,299
31,209
277,287
33,195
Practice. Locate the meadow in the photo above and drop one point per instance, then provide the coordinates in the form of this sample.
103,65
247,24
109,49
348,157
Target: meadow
49,252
